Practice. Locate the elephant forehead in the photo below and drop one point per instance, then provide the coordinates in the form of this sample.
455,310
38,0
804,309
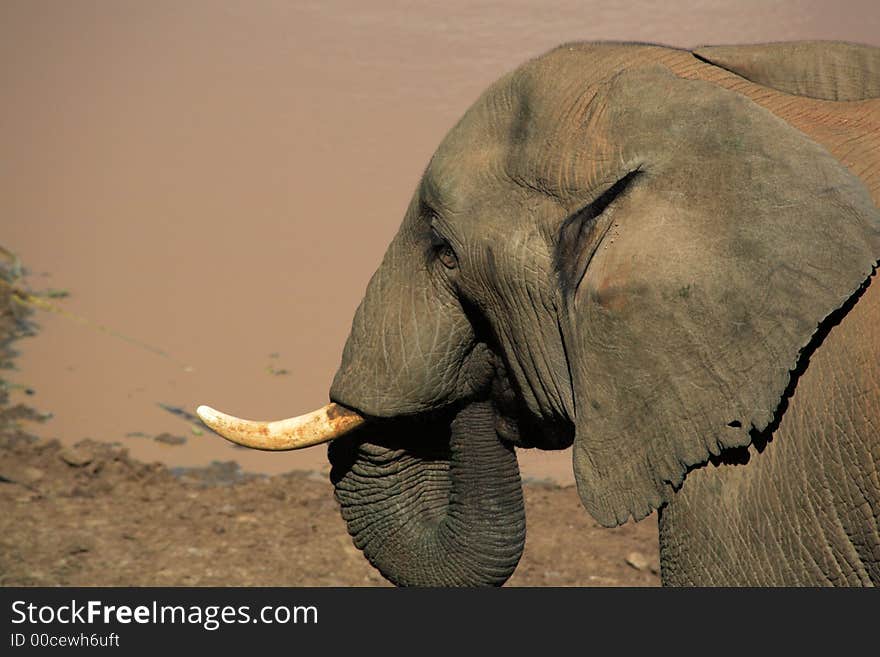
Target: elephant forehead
467,158
482,165
534,128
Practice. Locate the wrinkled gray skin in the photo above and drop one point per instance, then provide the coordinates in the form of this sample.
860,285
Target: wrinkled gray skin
664,258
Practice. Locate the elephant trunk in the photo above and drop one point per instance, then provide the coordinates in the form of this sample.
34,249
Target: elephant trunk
443,508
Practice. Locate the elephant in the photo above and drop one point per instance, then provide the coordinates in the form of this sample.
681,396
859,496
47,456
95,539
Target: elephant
662,258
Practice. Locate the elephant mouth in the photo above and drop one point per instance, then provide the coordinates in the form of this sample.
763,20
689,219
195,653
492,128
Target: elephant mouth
514,424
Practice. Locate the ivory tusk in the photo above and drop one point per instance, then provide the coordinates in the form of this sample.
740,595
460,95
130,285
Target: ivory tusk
320,426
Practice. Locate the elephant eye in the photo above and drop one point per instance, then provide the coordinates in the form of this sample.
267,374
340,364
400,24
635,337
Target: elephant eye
444,251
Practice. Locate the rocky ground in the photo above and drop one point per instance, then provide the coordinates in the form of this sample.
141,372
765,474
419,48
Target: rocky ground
90,515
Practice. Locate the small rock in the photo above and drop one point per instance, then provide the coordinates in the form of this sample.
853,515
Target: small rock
27,476
169,439
81,491
151,494
75,456
637,560
78,545
30,475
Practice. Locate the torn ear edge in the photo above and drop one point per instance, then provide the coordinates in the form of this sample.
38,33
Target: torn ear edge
615,506
761,437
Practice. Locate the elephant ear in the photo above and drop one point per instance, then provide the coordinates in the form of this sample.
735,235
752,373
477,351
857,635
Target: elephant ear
827,70
708,280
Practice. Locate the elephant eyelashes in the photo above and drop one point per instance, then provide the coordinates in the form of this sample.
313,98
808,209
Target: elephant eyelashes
581,234
444,251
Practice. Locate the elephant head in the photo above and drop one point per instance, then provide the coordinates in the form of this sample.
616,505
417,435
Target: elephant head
608,251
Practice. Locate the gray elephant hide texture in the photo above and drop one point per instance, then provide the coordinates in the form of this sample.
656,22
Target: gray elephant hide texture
664,257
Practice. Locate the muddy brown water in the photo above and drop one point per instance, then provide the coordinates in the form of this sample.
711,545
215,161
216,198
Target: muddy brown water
214,182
